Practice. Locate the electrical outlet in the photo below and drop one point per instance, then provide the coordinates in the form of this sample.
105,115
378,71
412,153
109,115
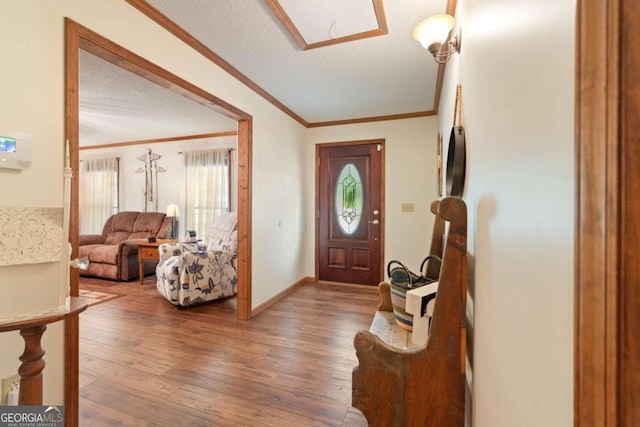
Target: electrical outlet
8,384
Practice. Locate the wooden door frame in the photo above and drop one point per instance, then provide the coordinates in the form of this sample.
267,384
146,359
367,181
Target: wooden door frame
600,224
380,141
79,37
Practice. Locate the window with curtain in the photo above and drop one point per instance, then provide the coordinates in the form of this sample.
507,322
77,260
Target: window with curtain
98,193
207,182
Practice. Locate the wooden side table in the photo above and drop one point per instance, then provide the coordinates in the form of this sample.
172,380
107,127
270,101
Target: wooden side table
148,251
32,363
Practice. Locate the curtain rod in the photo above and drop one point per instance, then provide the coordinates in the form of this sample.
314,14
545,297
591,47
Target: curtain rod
101,158
228,149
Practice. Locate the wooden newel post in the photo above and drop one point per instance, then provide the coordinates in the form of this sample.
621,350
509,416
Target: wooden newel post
32,366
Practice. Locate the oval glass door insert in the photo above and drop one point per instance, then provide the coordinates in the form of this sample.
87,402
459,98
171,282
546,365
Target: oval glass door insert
349,199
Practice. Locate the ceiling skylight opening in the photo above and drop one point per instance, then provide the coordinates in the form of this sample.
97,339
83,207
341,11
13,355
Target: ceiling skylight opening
316,24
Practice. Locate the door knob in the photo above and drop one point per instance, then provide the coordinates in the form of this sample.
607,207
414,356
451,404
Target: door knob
374,222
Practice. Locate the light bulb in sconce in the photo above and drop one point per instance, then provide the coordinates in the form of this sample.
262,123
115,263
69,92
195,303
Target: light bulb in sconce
433,35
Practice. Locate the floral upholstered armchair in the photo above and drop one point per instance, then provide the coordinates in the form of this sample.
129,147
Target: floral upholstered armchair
189,276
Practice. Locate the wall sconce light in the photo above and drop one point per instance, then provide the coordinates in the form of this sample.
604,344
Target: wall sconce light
433,34
173,212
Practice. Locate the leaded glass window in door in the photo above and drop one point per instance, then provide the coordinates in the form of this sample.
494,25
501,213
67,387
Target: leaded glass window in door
349,199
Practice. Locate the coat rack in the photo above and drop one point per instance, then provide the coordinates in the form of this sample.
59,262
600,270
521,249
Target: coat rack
151,171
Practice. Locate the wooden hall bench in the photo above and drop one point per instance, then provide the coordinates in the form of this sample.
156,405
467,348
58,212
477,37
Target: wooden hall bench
398,385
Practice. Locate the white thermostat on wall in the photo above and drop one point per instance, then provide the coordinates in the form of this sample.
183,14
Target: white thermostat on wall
15,150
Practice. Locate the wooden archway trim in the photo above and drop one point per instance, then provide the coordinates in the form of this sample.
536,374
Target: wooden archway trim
77,37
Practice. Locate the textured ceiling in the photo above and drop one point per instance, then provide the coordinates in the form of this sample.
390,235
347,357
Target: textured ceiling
117,106
390,74
378,76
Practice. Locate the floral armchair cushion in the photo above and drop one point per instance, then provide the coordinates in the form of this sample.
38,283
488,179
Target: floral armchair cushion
188,276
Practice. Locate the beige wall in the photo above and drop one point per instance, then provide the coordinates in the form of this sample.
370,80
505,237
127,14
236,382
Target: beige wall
516,68
32,99
410,163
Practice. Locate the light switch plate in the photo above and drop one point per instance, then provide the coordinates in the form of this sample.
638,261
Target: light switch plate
408,207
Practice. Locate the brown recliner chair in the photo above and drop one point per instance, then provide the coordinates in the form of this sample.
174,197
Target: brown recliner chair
113,254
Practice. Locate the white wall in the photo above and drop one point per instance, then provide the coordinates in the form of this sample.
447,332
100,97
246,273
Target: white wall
516,68
32,90
170,183
410,177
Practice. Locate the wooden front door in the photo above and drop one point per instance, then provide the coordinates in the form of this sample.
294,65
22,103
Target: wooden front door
350,219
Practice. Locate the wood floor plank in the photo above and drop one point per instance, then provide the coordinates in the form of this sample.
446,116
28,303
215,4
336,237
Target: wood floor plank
87,378
135,379
145,408
145,362
268,407
126,357
93,414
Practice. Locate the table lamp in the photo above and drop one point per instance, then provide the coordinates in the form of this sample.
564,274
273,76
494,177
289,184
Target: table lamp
173,212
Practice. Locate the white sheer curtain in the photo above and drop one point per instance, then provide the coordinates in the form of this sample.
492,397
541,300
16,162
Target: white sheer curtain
98,193
207,192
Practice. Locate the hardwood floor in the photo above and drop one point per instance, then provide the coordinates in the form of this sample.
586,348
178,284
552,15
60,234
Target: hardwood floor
144,362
